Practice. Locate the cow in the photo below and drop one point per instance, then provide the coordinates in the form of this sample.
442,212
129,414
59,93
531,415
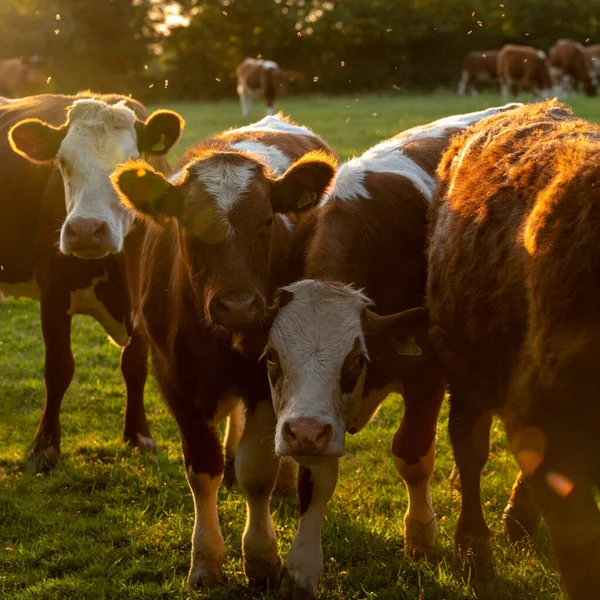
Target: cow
219,242
512,291
477,66
593,54
332,360
526,67
22,76
571,67
259,78
66,241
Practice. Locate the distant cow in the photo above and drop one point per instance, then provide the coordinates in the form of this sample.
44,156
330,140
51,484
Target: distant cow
513,288
332,360
524,66
593,54
218,244
259,78
477,67
22,76
66,241
571,67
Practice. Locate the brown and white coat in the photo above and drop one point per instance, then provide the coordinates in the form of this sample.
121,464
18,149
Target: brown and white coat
259,78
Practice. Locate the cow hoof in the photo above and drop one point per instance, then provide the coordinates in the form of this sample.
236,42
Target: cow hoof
144,443
476,561
519,522
204,577
420,538
229,478
43,459
290,589
262,573
287,479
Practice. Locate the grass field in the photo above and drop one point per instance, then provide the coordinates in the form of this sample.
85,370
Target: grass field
112,523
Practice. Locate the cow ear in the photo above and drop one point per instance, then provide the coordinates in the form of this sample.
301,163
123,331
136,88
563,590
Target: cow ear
303,184
159,133
146,192
401,334
35,140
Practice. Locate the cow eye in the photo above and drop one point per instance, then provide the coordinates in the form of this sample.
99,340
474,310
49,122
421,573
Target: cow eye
271,358
269,222
359,361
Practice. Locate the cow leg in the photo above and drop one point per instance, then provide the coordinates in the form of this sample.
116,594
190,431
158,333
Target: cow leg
504,90
233,434
521,518
245,99
256,467
58,373
204,471
413,449
463,83
470,436
134,367
304,562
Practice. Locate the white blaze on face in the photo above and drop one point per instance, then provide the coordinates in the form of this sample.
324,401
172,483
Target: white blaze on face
99,137
313,334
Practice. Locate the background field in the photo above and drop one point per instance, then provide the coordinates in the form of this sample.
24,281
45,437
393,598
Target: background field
111,523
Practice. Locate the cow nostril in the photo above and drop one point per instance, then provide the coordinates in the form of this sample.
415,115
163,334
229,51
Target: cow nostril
70,231
288,433
325,434
218,307
101,230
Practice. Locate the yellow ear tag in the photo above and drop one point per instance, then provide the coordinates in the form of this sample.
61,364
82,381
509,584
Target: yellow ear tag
410,348
160,145
307,198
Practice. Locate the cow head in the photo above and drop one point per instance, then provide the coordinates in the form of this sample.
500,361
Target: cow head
322,341
224,205
95,139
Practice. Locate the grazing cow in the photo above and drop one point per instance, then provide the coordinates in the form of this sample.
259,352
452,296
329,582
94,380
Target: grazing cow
593,54
59,211
259,78
477,67
217,247
332,361
514,277
22,76
526,67
571,67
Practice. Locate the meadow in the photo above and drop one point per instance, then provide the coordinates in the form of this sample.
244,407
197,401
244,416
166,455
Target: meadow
111,523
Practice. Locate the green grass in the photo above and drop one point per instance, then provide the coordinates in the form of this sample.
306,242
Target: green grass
112,523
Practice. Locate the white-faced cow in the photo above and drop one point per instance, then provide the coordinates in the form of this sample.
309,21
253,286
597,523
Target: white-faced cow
332,360
258,78
570,67
514,278
526,67
218,245
477,67
66,241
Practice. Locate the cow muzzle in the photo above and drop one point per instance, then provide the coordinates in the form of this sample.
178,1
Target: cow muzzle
87,238
308,436
230,309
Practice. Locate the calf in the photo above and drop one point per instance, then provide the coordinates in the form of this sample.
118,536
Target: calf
58,211
332,360
571,67
514,276
259,78
217,247
477,67
526,67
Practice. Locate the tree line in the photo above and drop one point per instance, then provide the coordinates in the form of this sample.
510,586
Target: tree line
327,46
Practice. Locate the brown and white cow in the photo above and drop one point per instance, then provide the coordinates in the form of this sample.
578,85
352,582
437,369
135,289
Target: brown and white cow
332,360
477,67
22,76
259,78
570,67
60,211
218,245
514,277
524,66
593,54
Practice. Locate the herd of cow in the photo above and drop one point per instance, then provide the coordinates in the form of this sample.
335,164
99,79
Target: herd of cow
570,66
291,294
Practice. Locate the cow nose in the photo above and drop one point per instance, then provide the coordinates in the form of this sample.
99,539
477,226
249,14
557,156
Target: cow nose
87,237
307,435
236,310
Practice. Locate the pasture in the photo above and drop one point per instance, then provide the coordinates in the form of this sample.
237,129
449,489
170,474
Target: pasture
112,523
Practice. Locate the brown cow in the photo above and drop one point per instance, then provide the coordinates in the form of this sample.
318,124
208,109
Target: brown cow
571,67
526,67
259,78
217,248
22,76
64,150
477,67
593,54
332,361
514,278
